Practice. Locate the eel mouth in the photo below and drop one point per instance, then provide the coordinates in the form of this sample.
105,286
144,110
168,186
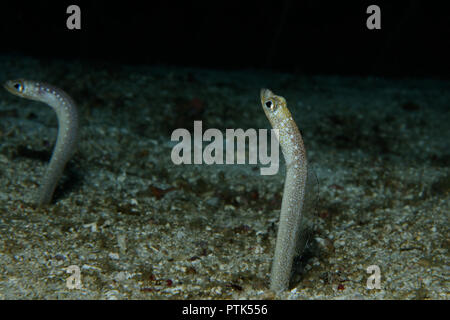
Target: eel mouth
265,93
12,86
7,85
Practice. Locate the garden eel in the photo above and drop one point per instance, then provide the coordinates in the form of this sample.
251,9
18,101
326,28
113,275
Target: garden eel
67,115
294,187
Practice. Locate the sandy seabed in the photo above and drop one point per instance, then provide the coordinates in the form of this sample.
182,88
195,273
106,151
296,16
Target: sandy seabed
140,227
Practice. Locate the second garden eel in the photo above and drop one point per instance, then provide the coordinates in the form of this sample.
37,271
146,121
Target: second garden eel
67,115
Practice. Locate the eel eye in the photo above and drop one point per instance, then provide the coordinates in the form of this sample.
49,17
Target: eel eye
269,105
18,87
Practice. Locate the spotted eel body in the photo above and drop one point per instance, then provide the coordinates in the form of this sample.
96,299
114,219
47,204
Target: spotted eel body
294,187
67,115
